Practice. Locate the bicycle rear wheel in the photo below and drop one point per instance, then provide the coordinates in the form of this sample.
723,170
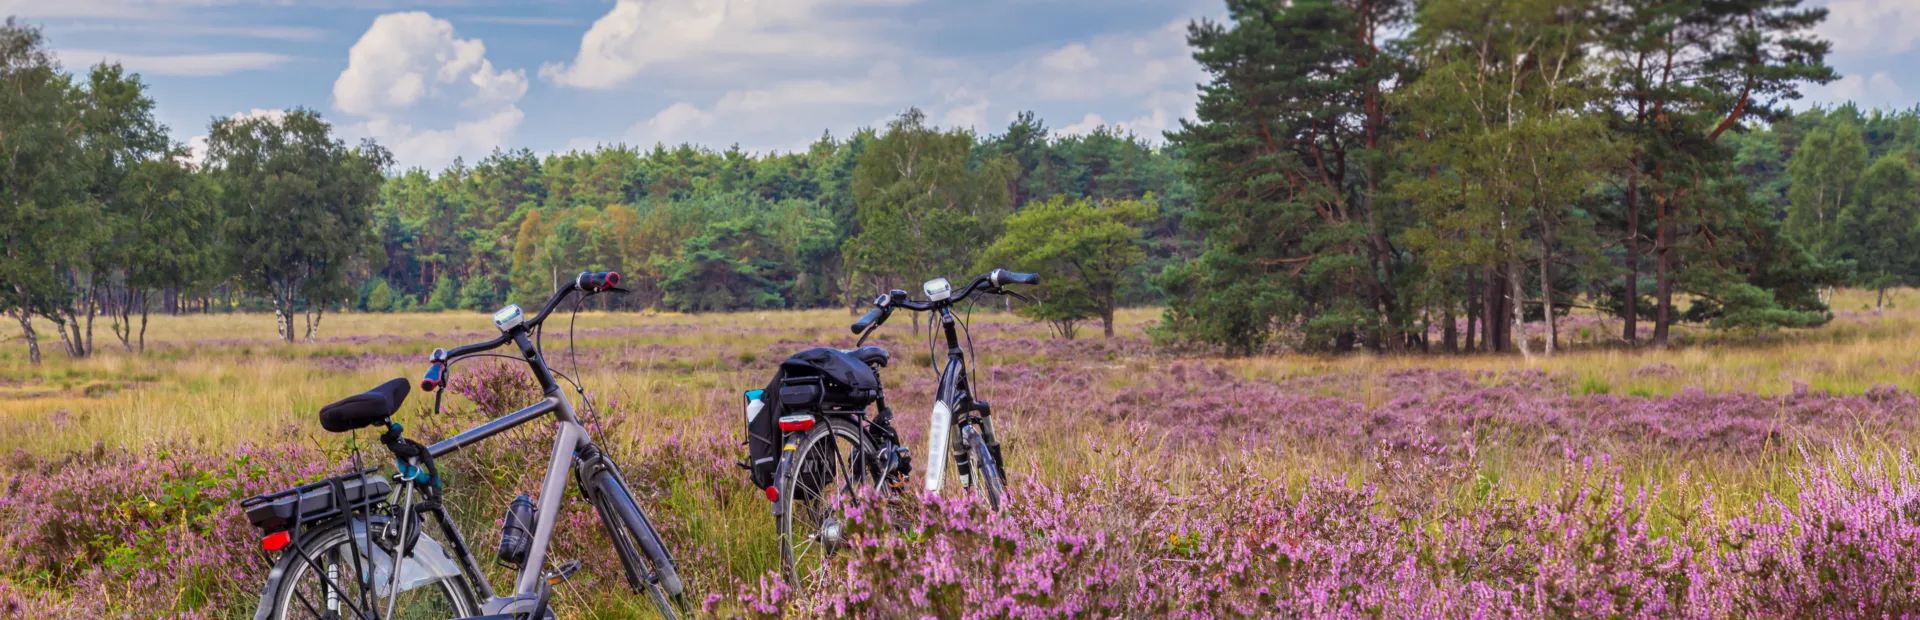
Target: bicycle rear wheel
649,567
336,582
829,465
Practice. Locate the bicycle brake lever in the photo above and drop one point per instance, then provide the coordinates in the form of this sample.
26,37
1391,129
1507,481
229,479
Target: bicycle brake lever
1017,296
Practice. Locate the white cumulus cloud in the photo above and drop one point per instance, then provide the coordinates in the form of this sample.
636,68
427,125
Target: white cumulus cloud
1127,64
1872,27
1878,89
777,103
638,35
410,76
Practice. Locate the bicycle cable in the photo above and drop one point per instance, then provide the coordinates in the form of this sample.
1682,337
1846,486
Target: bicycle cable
932,366
573,360
973,376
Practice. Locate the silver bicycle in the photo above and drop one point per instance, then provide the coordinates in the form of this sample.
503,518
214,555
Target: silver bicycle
337,539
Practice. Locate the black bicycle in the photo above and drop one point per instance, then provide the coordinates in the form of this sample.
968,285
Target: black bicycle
826,460
337,538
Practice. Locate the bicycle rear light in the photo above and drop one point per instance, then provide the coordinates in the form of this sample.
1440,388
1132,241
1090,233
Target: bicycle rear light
795,423
276,541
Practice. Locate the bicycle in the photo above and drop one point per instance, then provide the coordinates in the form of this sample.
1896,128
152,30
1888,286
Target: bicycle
813,457
337,538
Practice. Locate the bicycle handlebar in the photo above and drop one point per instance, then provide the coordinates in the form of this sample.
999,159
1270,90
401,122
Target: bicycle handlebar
884,304
589,282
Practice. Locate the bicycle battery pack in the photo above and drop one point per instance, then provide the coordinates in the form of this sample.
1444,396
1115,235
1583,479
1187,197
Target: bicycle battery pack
319,501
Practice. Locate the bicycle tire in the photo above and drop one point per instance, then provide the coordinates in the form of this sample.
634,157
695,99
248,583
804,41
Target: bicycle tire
986,472
808,491
649,568
291,600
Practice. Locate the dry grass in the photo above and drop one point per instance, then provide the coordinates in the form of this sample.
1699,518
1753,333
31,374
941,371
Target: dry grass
218,381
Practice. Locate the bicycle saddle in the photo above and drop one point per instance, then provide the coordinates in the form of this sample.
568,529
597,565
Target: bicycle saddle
871,356
365,409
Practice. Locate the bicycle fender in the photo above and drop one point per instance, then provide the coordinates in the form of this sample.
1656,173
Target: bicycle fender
780,473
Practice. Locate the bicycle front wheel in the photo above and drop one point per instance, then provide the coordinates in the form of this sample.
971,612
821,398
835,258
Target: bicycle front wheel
829,465
986,471
340,577
649,567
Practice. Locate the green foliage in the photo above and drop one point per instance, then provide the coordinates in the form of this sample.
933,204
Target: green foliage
1081,249
379,297
733,265
925,205
1826,169
42,224
481,293
445,295
1284,162
296,203
1878,229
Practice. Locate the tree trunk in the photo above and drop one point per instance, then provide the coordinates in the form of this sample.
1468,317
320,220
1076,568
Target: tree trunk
33,339
1449,336
1497,336
283,315
1519,311
91,301
1880,300
143,324
1546,286
1106,318
1663,274
1630,330
317,312
1473,317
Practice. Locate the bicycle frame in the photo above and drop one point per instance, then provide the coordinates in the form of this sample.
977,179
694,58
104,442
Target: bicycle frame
953,404
569,439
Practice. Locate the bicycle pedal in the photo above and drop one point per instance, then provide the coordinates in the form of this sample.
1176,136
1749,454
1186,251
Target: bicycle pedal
563,572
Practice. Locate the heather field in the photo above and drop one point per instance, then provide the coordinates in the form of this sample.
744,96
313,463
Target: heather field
1736,475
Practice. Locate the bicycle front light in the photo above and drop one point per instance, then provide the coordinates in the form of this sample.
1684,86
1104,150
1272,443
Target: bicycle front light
508,318
937,289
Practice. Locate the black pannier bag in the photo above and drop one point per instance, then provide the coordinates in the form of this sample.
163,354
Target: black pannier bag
817,380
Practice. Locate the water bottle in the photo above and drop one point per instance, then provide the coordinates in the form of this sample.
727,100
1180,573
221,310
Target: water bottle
516,534
754,404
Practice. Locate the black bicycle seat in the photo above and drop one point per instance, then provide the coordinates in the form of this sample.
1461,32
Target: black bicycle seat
871,356
365,409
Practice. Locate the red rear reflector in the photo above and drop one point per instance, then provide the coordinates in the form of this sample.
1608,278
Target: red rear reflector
276,541
797,423
773,494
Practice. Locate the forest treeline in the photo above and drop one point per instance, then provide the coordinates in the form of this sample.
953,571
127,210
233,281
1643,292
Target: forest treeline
1491,164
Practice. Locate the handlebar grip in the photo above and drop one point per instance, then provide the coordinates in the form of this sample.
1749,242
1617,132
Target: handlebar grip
1002,277
436,377
596,281
873,316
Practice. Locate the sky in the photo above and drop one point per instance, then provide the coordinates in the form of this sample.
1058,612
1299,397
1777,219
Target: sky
441,79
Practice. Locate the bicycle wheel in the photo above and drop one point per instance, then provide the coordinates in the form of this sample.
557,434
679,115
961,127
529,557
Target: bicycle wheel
649,567
986,472
829,464
334,585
